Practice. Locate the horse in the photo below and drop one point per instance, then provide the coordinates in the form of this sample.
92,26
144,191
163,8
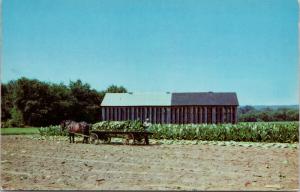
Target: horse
76,127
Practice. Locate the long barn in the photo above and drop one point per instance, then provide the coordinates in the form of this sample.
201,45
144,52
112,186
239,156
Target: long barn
175,108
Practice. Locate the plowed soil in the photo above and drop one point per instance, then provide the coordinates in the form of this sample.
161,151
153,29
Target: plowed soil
38,164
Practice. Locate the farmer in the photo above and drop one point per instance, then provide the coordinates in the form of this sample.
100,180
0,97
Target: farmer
146,124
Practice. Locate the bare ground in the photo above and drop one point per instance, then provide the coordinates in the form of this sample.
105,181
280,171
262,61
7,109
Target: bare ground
36,164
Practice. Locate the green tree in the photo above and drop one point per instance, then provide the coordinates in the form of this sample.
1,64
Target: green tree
62,103
36,103
292,115
32,98
87,102
246,109
6,103
116,89
16,118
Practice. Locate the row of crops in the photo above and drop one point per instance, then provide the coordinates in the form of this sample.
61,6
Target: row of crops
103,125
52,131
285,132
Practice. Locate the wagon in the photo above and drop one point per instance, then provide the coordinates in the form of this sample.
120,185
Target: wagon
138,137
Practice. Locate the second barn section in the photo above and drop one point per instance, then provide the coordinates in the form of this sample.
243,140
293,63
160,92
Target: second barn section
175,108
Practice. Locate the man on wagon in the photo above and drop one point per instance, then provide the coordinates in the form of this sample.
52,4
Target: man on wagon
146,125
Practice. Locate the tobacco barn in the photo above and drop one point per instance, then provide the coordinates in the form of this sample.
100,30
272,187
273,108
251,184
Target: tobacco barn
175,108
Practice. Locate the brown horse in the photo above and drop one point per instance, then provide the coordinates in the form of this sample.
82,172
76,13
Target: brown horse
75,127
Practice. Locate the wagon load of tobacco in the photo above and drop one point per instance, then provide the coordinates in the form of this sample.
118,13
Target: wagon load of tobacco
126,126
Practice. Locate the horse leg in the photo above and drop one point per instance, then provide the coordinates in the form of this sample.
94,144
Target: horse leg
70,137
73,136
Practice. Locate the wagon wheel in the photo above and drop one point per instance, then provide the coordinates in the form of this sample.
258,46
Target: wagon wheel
127,138
94,138
139,139
105,139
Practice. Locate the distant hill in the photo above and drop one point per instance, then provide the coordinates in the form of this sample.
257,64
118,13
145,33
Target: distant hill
274,107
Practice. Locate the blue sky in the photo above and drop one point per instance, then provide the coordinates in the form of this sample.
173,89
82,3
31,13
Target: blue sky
246,46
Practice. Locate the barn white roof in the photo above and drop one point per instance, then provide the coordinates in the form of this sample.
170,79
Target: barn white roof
171,99
137,99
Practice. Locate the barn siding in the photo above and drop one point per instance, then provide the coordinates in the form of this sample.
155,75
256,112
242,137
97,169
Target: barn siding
157,114
191,114
168,115
152,115
173,114
176,115
105,113
228,115
132,113
143,113
200,115
128,113
116,112
205,115
146,112
222,112
149,114
213,114
108,113
209,111
162,120
181,116
235,115
232,112
113,113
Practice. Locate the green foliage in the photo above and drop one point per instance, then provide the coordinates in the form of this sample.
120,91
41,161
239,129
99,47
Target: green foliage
246,109
36,103
250,114
119,126
116,89
6,100
282,132
87,102
52,131
255,132
16,118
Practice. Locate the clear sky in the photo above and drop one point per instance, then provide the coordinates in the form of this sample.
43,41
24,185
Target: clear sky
246,46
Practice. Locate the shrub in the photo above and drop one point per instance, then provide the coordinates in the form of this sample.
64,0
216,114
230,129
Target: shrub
52,131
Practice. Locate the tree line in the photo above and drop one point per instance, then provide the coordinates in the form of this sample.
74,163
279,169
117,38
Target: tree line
32,102
36,103
250,114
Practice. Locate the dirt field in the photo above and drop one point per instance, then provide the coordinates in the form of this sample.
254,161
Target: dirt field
35,164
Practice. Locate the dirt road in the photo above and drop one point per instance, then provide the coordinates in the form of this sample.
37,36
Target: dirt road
35,164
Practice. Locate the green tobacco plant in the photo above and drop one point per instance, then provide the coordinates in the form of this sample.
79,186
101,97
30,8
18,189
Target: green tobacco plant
136,125
52,131
284,132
